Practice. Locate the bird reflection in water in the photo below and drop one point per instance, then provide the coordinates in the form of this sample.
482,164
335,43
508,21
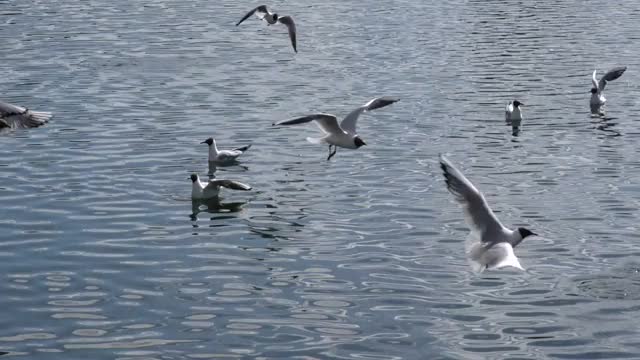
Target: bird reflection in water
214,206
606,125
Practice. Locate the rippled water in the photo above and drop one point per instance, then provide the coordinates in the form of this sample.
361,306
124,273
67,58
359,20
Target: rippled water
103,255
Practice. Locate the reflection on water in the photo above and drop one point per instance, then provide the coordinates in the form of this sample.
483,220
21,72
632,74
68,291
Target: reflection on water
357,258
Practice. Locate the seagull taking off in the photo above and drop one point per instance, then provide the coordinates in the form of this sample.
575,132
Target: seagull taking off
492,243
342,135
13,117
271,18
210,190
223,157
598,100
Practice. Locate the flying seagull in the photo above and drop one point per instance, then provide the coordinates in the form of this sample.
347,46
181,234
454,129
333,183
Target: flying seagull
598,100
210,190
13,116
491,243
343,134
221,157
272,18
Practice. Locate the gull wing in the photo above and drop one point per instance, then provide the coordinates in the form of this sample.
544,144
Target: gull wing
611,75
19,117
259,9
594,80
230,184
348,124
479,216
291,26
326,122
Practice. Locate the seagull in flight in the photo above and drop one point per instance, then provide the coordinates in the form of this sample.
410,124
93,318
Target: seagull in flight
13,116
491,243
272,18
211,189
598,100
343,134
223,157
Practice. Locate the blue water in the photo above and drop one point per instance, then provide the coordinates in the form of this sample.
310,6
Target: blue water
104,256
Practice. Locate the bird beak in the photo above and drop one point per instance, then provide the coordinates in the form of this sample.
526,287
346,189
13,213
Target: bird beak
534,234
204,142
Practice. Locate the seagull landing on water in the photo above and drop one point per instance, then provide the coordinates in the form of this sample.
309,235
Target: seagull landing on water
513,115
491,243
271,18
223,157
598,100
12,116
210,190
344,134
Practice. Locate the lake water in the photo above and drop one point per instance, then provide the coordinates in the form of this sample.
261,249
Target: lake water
104,256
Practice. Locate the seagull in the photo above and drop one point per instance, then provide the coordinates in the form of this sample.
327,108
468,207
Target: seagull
343,135
597,91
272,18
223,156
495,246
13,116
513,116
210,190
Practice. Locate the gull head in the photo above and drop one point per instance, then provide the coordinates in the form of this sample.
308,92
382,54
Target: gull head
209,141
275,17
594,90
517,103
194,177
524,232
358,141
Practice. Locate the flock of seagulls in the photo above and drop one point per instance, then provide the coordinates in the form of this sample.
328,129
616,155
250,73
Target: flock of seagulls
491,244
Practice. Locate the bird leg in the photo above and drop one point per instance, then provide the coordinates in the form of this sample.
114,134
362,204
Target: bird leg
335,149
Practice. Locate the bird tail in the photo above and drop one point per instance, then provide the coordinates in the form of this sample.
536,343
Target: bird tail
243,148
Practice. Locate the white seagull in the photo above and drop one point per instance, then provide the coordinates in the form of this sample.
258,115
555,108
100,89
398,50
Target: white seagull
271,18
491,243
12,116
597,91
210,190
221,157
513,113
342,135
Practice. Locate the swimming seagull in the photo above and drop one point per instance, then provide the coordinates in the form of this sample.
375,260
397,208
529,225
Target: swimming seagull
210,190
492,243
271,18
597,91
223,156
13,116
343,135
513,115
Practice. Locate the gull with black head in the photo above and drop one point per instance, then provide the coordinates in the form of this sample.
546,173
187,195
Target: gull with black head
597,101
490,243
210,190
272,18
340,135
223,157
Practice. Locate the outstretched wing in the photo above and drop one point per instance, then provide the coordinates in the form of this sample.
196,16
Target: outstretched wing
348,124
326,122
611,75
478,214
291,26
259,9
594,80
19,117
231,184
